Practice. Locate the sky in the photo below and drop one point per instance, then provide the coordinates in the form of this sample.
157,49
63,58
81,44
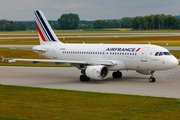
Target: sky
21,10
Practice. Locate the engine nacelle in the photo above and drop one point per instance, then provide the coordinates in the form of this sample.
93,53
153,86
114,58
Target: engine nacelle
99,72
145,72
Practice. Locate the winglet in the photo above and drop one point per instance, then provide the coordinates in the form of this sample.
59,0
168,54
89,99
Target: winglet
3,58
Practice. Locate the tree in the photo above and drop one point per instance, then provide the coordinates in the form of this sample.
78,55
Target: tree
8,26
55,26
137,23
126,22
90,26
32,27
2,22
151,21
98,24
21,26
83,26
68,21
116,24
156,22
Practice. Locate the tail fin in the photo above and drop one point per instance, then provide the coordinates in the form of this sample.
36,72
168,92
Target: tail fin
46,34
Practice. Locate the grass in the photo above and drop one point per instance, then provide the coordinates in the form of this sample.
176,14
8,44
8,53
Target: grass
39,103
176,53
158,40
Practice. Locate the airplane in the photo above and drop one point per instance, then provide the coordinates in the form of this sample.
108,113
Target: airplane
96,60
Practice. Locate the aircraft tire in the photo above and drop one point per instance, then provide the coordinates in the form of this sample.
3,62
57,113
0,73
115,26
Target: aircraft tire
117,74
152,79
84,78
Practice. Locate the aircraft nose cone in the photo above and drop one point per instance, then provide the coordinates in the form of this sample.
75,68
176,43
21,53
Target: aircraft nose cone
173,62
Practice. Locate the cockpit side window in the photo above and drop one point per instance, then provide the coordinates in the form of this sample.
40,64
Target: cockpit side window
157,53
161,53
167,53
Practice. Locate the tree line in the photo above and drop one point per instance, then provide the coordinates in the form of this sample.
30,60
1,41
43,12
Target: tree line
72,21
158,21
6,25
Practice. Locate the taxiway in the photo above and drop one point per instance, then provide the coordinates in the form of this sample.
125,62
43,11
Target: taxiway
167,84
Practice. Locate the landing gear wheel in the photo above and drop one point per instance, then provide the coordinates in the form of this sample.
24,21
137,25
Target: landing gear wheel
152,79
117,74
84,78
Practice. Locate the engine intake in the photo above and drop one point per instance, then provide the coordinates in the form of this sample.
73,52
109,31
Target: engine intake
99,72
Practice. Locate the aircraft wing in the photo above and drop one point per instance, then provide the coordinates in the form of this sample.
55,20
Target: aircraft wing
10,60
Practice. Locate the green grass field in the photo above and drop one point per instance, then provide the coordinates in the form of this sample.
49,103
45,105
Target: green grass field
49,104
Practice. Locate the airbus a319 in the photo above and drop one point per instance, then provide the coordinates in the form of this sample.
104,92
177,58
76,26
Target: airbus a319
96,60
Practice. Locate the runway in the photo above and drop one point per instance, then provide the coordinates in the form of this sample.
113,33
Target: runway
167,84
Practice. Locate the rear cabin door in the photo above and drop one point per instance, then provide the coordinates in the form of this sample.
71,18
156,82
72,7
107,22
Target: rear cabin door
54,52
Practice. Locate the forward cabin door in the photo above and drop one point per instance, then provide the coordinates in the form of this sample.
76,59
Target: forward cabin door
144,54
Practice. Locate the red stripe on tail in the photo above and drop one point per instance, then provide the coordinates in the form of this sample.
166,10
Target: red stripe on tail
39,30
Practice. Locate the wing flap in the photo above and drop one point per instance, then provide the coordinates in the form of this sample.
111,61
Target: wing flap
34,49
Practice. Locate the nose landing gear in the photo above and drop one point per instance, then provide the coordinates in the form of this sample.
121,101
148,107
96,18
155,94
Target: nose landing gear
152,78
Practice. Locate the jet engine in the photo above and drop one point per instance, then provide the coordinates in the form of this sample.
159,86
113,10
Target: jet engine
99,72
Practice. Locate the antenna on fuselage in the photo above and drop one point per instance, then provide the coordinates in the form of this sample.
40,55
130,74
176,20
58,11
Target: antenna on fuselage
149,43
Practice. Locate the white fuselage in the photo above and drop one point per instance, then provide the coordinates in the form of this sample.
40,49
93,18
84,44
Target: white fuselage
125,56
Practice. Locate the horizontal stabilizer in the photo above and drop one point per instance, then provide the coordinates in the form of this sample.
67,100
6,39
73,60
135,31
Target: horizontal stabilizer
5,58
2,58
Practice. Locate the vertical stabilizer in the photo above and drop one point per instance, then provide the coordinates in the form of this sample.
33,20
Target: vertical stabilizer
46,34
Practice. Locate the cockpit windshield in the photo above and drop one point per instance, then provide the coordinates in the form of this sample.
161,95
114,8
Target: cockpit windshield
162,53
167,53
157,54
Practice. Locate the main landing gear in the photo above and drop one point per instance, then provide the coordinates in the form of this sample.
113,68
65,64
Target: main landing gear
117,74
152,78
84,78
